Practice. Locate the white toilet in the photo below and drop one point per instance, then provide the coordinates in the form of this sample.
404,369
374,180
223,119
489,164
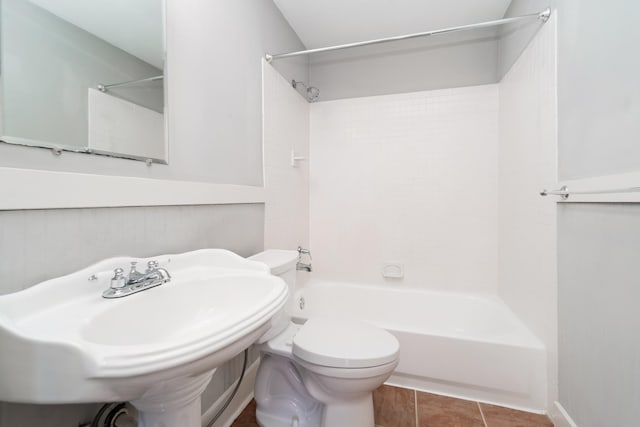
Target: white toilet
320,373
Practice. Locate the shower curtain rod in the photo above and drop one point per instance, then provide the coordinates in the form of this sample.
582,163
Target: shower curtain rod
103,87
542,16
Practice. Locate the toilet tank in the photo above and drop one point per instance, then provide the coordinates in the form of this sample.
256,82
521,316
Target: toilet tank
282,263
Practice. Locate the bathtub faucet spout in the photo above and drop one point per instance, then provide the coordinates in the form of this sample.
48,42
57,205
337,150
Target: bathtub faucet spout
301,265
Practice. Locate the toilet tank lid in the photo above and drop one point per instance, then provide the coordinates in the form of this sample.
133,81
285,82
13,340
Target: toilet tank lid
278,260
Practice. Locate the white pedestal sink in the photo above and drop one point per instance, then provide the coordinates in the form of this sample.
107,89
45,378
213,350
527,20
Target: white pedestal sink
62,342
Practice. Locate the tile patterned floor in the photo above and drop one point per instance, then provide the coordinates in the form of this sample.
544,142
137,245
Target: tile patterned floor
248,416
401,407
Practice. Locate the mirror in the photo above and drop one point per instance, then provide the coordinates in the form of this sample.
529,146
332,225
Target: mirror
84,76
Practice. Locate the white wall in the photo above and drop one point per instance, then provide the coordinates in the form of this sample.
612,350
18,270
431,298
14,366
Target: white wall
38,245
411,179
527,226
214,102
598,130
214,49
599,91
598,85
214,119
285,129
599,320
214,78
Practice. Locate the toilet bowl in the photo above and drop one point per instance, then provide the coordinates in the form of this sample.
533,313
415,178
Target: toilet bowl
320,373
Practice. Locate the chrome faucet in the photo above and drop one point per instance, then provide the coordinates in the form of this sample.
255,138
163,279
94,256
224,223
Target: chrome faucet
134,274
122,286
301,265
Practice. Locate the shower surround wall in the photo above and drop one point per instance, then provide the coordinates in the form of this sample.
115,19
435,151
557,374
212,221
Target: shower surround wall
285,133
446,185
443,183
599,105
527,272
408,179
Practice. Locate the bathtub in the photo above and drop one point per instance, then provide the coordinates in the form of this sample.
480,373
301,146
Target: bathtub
456,344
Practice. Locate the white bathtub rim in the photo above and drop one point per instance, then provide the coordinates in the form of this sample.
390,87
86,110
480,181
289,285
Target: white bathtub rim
530,340
402,288
533,345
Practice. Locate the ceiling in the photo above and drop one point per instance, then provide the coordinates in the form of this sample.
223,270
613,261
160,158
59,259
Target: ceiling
321,23
134,26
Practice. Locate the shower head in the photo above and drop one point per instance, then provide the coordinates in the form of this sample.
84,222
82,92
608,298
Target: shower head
311,92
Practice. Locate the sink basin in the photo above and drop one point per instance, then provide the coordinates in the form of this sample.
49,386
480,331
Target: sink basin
209,306
63,343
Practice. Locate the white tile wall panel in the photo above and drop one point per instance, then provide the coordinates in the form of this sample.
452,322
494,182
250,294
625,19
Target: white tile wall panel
285,129
527,273
409,178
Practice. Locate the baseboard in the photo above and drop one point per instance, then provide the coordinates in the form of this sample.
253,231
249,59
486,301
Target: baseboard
239,402
560,417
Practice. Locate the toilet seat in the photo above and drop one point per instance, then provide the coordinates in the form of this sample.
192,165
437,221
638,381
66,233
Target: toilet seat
344,344
348,373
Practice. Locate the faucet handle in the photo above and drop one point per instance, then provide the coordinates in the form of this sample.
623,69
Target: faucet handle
302,251
152,265
118,280
133,272
300,265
